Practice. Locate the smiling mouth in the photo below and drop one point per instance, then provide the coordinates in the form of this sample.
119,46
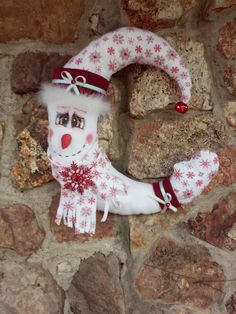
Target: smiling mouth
86,144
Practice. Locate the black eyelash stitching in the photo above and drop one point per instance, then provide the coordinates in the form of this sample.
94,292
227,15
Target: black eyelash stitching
62,119
77,122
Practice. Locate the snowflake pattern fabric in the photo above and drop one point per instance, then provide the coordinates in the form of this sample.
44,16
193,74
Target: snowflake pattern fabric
191,177
113,51
82,184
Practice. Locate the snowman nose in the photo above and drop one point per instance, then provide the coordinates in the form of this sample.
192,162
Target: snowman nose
65,140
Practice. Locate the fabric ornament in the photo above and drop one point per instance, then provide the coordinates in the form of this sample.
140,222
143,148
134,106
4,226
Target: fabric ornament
76,98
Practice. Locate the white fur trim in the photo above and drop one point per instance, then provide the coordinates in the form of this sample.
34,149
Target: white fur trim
52,96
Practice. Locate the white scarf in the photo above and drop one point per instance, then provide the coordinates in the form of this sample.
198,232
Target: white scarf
83,182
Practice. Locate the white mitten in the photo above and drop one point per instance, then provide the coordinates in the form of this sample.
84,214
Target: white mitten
191,177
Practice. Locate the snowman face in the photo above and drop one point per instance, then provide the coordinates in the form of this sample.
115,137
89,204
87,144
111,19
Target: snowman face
71,130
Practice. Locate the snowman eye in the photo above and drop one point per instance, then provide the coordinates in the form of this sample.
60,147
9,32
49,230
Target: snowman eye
62,118
77,122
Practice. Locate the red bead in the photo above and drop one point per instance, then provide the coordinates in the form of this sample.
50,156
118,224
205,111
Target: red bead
181,107
73,82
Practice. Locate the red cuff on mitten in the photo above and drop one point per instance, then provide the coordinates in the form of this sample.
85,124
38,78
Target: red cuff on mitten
168,189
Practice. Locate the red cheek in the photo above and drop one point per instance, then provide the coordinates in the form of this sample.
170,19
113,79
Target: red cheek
89,138
50,134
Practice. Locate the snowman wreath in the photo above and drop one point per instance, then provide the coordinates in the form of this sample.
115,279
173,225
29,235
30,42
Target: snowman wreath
76,98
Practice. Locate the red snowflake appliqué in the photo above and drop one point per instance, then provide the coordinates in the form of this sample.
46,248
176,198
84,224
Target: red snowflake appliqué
77,178
86,211
185,183
95,57
184,65
138,49
171,55
113,191
103,196
157,48
199,182
80,201
184,75
190,174
149,39
79,61
118,39
205,163
91,200
188,193
112,65
111,50
130,41
174,70
211,175
103,185
64,194
178,174
159,61
125,53
148,53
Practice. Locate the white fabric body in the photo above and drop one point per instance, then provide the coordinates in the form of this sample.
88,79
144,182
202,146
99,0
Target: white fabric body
113,192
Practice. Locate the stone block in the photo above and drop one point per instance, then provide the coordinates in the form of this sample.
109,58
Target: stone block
150,88
47,21
160,141
108,126
96,287
227,171
30,69
1,136
210,10
144,229
227,46
180,274
230,114
31,167
226,42
27,288
230,77
221,5
231,304
216,227
1,132
19,229
155,14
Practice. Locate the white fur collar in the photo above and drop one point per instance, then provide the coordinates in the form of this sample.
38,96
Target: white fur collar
51,95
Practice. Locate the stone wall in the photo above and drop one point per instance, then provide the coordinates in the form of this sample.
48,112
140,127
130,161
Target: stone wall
165,263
